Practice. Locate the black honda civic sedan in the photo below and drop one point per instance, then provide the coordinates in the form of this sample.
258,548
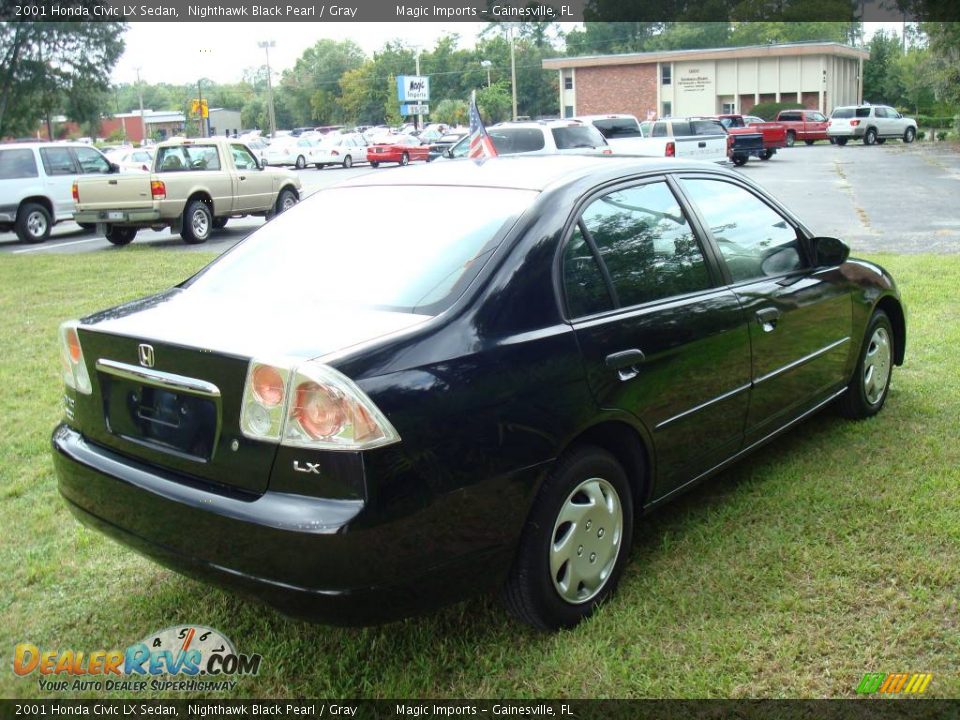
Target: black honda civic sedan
360,423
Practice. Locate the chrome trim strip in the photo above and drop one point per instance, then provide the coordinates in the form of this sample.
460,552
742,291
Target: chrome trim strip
701,406
801,361
157,378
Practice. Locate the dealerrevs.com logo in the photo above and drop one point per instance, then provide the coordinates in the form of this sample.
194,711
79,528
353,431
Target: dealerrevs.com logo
181,658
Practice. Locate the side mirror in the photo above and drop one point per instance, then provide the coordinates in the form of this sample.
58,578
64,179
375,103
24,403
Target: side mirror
114,168
829,251
448,153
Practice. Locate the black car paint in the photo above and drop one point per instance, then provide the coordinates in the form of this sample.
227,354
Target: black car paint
484,396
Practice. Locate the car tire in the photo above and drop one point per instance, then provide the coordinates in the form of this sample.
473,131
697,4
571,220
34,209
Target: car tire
405,159
868,388
320,166
740,160
285,200
87,227
870,137
197,223
348,162
220,223
301,162
766,154
881,141
809,142
33,223
842,141
791,138
575,542
374,163
909,135
120,235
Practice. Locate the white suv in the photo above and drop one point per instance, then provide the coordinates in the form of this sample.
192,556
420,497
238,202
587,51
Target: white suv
539,137
871,123
35,184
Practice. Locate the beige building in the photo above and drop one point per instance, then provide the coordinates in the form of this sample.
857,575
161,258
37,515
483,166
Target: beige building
677,83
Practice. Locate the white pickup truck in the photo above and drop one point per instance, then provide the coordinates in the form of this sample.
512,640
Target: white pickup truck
627,137
194,188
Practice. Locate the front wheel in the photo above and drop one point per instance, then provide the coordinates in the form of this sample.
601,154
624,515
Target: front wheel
285,200
842,141
575,542
766,154
881,141
320,166
301,162
120,235
791,138
197,223
374,163
909,135
739,160
870,383
405,159
809,142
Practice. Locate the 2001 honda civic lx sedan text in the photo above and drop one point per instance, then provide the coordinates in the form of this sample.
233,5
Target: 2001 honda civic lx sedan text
361,424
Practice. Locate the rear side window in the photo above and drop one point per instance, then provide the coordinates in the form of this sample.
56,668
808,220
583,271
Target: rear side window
583,282
615,128
646,243
843,113
863,112
577,136
681,128
509,141
17,164
178,158
707,127
790,116
57,161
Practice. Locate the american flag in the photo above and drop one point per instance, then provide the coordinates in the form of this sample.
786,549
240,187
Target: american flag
481,146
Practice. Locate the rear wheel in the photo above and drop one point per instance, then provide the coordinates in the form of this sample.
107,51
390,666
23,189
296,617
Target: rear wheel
301,162
870,383
120,235
220,223
791,138
575,542
320,166
809,142
766,154
842,141
870,137
405,159
374,163
348,162
881,141
33,223
197,223
739,160
909,134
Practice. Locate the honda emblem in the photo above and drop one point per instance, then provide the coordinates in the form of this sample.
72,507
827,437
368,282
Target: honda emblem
146,355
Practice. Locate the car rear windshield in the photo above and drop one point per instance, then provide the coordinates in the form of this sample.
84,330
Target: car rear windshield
616,128
417,258
17,164
577,136
176,158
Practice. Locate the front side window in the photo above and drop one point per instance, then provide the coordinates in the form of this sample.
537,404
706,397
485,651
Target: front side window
242,158
92,161
646,244
57,161
755,240
17,164
817,117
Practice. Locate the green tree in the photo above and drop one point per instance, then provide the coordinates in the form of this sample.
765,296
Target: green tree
880,81
495,102
50,65
318,70
916,76
944,46
451,112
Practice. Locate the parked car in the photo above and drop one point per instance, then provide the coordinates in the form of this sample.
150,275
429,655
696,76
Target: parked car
35,183
559,345
874,124
438,147
625,137
400,149
690,138
806,125
340,149
296,151
539,137
773,136
196,186
131,158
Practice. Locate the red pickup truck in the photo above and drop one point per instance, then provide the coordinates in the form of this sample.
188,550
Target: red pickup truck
806,125
774,134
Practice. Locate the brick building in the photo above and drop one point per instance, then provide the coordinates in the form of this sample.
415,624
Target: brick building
819,75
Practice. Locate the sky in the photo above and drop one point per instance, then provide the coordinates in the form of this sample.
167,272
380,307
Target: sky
182,52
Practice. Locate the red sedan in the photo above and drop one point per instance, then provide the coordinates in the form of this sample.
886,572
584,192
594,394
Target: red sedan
401,150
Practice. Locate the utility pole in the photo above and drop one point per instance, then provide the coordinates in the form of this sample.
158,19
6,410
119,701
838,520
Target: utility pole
486,64
266,45
143,122
419,102
203,128
513,72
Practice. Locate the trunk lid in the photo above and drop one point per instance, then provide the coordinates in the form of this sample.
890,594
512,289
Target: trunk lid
114,192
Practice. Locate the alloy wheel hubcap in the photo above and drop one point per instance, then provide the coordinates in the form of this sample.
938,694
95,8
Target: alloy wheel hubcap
876,366
36,224
200,224
586,541
288,202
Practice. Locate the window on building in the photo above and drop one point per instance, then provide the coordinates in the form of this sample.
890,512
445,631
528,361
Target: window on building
568,82
727,108
666,109
568,111
665,74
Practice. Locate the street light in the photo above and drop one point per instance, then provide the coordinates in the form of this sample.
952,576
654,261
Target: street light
486,64
266,45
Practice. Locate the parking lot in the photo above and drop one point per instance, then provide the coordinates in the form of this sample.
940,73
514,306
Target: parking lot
895,198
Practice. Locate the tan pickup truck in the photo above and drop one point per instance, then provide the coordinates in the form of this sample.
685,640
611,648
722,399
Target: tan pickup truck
195,187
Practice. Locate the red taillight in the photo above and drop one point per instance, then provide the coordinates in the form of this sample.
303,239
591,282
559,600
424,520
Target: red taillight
158,190
73,345
334,152
607,151
144,168
854,123
76,192
268,385
671,150
318,411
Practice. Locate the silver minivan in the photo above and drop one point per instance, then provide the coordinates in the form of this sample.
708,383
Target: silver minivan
35,184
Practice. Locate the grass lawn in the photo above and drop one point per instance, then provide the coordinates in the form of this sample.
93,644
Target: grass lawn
832,553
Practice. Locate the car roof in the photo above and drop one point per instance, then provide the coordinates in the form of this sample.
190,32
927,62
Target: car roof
44,144
523,172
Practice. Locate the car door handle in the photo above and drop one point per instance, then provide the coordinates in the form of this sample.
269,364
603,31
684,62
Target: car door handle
702,143
625,363
767,318
243,177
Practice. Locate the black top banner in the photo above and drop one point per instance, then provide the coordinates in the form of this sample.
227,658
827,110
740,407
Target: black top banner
479,10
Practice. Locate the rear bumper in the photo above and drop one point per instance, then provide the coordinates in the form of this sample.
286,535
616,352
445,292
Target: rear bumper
847,132
307,556
134,216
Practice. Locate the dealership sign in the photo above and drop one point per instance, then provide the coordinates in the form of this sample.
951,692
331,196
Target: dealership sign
413,88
